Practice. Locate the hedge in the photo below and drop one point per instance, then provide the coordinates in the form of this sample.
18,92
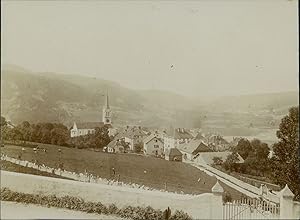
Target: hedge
78,204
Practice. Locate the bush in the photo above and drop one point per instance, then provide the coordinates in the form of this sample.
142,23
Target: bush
227,197
73,203
180,215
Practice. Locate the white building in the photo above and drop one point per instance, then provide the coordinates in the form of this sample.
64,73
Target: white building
177,136
86,128
153,145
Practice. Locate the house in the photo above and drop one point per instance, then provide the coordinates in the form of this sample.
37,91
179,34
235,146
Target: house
153,145
130,136
217,142
112,132
134,136
109,149
174,137
173,154
207,157
195,132
115,146
86,128
200,136
191,149
235,141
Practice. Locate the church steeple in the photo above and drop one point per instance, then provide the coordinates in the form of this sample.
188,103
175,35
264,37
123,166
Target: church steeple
106,112
107,101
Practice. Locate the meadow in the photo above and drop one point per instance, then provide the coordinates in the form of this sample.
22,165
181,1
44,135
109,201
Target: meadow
148,171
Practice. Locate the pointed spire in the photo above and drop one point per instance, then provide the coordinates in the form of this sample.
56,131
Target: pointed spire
74,126
107,101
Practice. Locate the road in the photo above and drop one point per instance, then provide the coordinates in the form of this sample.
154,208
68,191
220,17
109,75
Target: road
243,189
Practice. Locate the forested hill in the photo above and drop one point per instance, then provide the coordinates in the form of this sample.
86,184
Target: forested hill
66,98
53,97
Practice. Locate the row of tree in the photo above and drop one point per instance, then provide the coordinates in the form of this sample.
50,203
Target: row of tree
53,133
284,165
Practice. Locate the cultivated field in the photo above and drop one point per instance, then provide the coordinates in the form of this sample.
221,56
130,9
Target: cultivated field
148,171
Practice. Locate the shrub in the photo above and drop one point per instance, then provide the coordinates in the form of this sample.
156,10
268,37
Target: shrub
227,197
78,204
180,215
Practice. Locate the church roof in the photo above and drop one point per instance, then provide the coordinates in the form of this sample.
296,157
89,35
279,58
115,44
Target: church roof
89,125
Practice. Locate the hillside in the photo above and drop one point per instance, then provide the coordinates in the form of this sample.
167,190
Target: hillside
66,98
40,97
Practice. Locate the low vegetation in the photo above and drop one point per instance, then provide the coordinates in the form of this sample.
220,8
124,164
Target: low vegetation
73,203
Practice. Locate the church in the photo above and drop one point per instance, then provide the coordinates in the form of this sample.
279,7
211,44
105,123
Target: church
84,128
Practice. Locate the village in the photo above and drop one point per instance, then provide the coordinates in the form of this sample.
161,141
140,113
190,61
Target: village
172,144
149,110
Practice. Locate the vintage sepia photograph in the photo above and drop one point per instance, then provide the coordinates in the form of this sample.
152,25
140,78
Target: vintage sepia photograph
150,110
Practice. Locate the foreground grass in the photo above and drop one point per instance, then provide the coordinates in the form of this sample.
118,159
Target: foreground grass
73,203
148,171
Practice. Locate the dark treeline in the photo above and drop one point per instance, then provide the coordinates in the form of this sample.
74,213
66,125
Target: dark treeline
52,133
282,168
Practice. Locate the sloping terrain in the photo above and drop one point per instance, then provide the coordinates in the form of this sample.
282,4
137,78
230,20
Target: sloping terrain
41,97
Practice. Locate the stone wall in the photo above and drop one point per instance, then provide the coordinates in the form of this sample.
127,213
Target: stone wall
197,206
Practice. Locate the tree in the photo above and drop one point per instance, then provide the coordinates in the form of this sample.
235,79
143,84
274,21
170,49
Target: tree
231,161
243,148
3,121
217,161
286,152
138,147
260,149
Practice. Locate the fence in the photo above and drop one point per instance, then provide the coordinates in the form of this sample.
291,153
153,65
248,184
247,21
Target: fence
251,209
247,187
204,206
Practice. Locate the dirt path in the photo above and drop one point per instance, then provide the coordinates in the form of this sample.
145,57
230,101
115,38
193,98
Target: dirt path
12,210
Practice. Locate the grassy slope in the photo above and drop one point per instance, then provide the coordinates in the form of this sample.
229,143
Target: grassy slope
8,166
179,176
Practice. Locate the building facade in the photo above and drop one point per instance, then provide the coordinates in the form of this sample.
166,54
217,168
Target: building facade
153,145
175,137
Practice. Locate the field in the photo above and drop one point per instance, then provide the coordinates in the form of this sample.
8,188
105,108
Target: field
147,171
9,166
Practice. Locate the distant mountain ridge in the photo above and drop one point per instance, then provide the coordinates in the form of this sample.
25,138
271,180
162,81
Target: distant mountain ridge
40,97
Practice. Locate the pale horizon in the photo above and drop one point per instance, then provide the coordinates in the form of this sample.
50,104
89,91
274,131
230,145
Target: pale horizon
190,48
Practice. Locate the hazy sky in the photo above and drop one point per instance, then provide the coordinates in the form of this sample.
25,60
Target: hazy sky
216,47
